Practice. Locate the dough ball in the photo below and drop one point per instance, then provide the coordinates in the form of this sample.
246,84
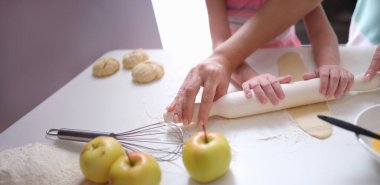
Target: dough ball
134,57
147,71
105,66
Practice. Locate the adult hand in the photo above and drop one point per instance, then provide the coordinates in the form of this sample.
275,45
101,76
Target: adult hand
335,80
213,77
374,67
266,86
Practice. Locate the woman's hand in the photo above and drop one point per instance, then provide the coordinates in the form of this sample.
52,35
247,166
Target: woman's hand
266,86
213,77
335,80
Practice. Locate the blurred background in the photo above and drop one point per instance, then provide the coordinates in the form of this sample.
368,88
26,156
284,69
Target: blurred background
339,14
46,43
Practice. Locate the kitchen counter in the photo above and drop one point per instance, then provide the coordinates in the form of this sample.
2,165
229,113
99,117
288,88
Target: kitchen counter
266,149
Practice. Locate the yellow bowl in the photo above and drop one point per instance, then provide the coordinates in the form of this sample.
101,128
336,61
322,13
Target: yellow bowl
369,118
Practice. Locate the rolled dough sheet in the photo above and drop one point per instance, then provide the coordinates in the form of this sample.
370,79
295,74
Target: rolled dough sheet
305,116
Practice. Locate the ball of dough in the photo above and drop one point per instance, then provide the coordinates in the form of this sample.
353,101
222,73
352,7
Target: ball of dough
134,57
147,71
105,66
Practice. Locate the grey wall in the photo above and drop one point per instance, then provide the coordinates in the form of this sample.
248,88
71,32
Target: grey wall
45,43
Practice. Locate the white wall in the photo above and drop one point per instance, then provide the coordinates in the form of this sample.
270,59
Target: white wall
183,25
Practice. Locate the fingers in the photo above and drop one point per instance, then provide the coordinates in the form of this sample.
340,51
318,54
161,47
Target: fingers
214,78
285,79
342,85
171,106
206,102
259,92
370,73
188,103
324,75
335,80
221,90
311,75
184,102
374,66
350,82
266,87
346,80
268,90
247,89
184,94
275,84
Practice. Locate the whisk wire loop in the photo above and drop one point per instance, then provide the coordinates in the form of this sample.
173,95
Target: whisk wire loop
164,141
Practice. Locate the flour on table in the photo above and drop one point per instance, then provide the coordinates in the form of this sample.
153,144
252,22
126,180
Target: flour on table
39,164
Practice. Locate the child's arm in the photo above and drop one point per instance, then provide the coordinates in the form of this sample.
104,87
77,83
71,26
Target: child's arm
264,86
335,80
218,22
213,74
270,20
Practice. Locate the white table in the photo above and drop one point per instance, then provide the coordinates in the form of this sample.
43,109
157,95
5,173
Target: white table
266,149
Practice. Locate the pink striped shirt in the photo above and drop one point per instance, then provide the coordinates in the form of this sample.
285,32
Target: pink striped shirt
240,11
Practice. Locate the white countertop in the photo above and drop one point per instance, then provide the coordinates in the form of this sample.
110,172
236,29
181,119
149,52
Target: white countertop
266,149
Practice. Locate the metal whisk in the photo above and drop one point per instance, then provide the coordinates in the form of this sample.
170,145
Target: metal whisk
162,140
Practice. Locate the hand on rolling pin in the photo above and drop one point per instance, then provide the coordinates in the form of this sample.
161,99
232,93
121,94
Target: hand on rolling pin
335,80
213,77
374,67
266,86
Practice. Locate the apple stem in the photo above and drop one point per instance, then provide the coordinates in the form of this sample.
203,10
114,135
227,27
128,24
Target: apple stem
205,133
129,158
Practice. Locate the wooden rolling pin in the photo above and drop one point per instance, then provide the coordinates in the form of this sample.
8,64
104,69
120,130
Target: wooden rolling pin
234,105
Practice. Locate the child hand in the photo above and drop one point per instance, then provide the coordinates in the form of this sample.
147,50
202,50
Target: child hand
374,66
266,86
335,80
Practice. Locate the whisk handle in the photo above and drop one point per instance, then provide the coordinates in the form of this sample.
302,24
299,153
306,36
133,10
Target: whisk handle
77,135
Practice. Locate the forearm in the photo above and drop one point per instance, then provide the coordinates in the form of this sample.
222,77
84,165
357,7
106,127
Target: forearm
269,21
218,22
322,37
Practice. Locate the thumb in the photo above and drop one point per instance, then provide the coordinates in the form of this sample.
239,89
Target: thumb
285,79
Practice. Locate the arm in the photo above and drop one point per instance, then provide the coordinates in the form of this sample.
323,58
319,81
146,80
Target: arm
322,38
272,19
218,22
335,81
213,74
243,76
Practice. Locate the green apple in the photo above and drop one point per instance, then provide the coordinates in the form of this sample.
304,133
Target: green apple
97,157
135,169
206,160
